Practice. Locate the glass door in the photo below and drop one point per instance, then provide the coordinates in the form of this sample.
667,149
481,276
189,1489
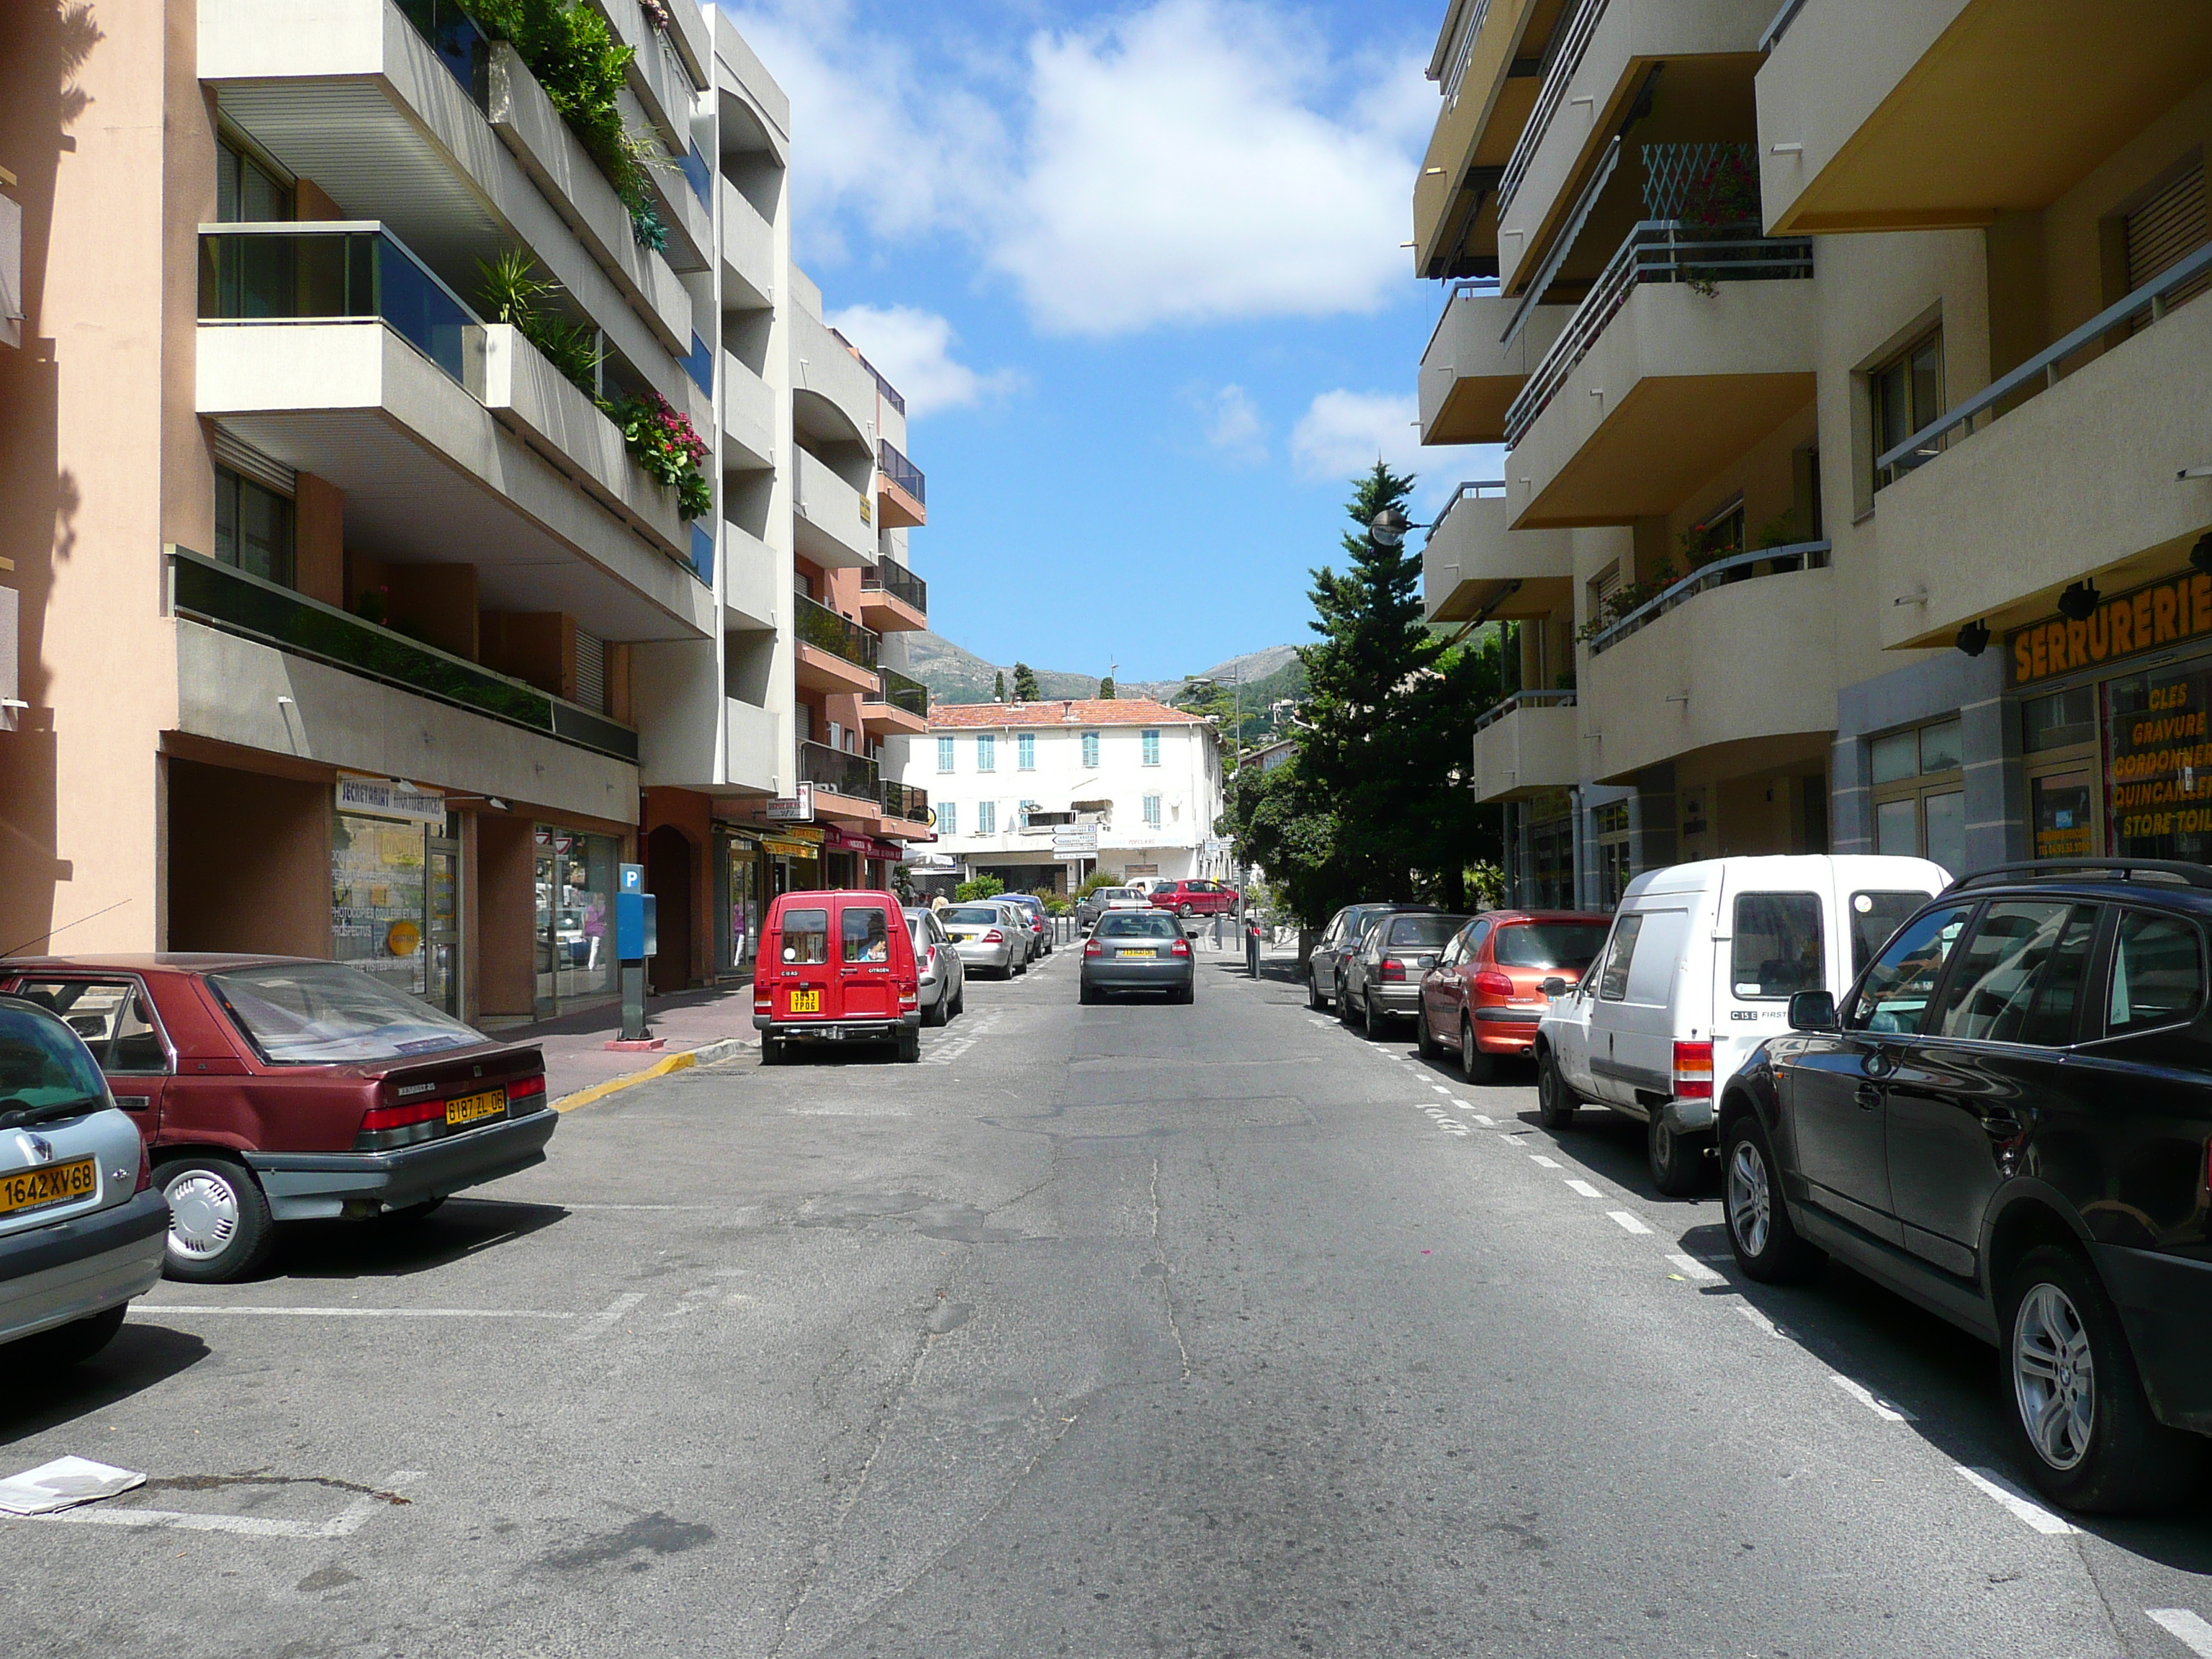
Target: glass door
441,921
548,942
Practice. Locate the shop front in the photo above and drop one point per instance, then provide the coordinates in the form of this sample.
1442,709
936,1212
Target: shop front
850,860
742,893
574,941
793,854
396,887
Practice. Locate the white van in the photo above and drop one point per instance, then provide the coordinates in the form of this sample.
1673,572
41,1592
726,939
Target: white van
1697,972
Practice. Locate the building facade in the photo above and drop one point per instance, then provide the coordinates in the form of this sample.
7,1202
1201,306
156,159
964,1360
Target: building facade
407,503
1006,777
1850,498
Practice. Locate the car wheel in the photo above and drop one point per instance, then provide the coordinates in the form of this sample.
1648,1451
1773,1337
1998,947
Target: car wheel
1556,1103
935,1014
75,1342
1084,995
774,1051
219,1223
1189,994
1677,1160
1424,1037
1183,910
1379,1023
1314,1000
2086,1428
909,1049
1760,1233
960,998
1343,1004
1475,1065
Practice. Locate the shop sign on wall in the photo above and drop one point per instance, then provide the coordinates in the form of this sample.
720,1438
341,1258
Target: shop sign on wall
390,797
792,809
2160,776
2165,613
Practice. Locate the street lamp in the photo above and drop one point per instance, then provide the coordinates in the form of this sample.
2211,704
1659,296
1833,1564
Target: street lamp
1389,527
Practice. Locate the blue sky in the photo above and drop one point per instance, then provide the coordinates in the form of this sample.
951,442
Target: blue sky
1136,268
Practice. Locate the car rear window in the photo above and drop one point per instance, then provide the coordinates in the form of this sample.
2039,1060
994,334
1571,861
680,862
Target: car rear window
1566,946
972,915
320,1014
43,1065
1777,950
2158,972
1875,917
1431,933
1136,924
865,933
805,937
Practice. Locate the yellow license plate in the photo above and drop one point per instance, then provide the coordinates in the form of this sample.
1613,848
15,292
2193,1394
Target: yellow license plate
807,1002
473,1108
31,1190
1150,956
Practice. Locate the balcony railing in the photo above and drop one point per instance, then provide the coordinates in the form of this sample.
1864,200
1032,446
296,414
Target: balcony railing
1473,490
1656,251
905,802
693,165
834,769
1461,288
462,47
891,393
901,471
1521,700
815,624
237,602
890,576
1560,63
2152,301
899,692
1737,566
287,272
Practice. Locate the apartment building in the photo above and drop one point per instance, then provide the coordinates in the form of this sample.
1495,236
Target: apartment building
407,499
1836,475
1006,777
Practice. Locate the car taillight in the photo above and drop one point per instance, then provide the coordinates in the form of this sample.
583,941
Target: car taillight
993,937
1091,947
1393,969
764,1005
377,1119
1180,948
909,999
1693,1071
1492,983
145,1169
528,1091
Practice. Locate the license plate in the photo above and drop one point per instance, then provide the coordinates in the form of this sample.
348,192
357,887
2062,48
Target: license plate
807,1002
32,1189
1148,956
474,1108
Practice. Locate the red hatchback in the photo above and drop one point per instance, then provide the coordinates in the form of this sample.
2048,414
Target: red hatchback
273,1089
1195,898
836,967
1484,995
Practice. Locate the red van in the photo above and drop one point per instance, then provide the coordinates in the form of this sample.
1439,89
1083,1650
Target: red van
836,967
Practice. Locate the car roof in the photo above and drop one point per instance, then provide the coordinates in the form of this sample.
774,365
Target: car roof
1503,918
157,962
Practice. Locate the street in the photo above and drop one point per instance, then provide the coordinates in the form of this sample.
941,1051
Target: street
1112,1331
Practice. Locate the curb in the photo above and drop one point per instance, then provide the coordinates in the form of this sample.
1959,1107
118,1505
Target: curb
705,1055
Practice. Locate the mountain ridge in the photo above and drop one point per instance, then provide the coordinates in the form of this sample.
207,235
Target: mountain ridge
955,674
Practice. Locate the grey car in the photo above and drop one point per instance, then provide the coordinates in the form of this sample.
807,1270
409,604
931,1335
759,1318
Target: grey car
944,976
1137,951
1040,920
988,937
1383,978
1334,949
1096,903
83,1227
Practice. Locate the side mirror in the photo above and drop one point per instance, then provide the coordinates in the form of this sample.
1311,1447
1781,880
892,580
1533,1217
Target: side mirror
1555,986
1812,1011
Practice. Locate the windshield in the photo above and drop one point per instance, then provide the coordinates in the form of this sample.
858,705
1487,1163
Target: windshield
43,1064
972,915
1429,932
319,1013
1567,946
1136,924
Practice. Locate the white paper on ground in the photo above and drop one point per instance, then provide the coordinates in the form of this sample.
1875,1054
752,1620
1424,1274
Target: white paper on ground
63,1483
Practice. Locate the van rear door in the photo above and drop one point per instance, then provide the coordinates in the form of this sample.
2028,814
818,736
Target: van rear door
866,988
806,981
1632,1033
1769,943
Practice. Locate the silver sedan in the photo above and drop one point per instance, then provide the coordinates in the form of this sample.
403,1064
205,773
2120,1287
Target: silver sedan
987,937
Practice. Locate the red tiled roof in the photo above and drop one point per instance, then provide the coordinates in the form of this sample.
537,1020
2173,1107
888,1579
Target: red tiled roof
1083,711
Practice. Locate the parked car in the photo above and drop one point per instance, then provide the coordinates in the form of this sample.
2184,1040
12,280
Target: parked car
1382,979
276,1089
1195,898
1036,918
2006,1120
836,967
82,1223
1325,963
988,937
943,976
1483,997
1094,903
1137,951
1698,971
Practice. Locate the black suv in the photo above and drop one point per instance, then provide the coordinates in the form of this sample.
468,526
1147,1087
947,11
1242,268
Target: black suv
2009,1123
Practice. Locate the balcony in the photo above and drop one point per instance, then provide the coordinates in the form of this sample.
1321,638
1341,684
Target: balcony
748,252
1486,97
753,585
1476,567
835,654
833,393
893,600
900,491
1468,378
897,705
848,781
1528,743
755,759
833,525
1691,348
748,418
1674,676
885,389
1942,114
906,812
2047,476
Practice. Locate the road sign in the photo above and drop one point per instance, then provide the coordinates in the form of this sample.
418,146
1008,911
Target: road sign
1075,858
1077,838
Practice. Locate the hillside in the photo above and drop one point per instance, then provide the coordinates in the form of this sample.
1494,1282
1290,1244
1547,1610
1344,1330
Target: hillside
954,674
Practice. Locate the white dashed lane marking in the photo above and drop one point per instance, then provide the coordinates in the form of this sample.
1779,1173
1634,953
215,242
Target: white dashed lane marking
1872,1401
1759,1319
1628,1221
151,1310
1486,1123
2185,1627
348,1521
1584,1188
1695,1270
2012,1498
1543,1163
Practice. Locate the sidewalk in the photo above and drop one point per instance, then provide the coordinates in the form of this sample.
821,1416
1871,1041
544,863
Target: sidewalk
699,1025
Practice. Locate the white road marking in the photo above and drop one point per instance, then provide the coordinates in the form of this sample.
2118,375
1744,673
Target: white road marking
146,1309
654,1207
1872,1401
1629,1222
2018,1502
1759,1319
2185,1627
608,1317
346,1522
1486,1123
1464,1105
1440,1088
1694,1269
1317,1020
1543,1163
1584,1188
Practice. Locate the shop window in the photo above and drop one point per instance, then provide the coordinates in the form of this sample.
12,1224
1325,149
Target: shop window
1612,844
1090,750
254,528
2059,721
2159,764
1025,751
1919,794
1907,393
944,747
378,898
575,916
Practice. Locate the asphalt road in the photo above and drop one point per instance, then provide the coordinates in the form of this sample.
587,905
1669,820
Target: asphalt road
1132,1331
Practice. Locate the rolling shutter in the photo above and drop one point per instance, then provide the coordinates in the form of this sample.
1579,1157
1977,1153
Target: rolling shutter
2166,229
591,672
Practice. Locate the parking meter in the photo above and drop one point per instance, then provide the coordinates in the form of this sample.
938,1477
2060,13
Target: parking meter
637,936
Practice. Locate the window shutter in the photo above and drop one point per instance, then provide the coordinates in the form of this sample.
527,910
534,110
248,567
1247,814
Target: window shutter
591,672
2166,229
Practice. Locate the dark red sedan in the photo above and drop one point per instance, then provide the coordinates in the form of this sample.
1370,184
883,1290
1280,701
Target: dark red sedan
1483,998
273,1089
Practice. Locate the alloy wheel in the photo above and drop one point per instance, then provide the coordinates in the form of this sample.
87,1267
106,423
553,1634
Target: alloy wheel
2054,1377
203,1215
1750,1199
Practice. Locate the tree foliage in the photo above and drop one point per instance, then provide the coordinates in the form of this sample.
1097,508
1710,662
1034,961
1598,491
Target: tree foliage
998,687
1025,683
1106,689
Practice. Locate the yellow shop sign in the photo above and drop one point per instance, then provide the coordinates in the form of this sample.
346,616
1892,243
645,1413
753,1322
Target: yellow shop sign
2163,613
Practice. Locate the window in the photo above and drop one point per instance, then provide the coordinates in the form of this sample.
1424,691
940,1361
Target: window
1568,947
1089,750
245,192
1658,948
1875,917
1778,948
110,1017
2158,973
987,753
254,528
986,817
1612,983
1138,924
1919,794
1025,751
2019,975
2166,229
805,937
1152,740
1896,990
2059,721
1152,811
1908,394
945,754
948,817
865,935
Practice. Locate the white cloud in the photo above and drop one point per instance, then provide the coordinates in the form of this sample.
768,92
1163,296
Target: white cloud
913,350
1233,425
1342,434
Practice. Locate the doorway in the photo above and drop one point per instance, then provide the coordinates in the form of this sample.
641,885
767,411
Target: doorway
668,878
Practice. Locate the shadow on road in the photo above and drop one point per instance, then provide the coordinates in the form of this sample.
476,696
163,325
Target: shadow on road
391,1247
34,1399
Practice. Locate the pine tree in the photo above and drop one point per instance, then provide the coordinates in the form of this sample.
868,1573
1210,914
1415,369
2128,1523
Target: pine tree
999,688
1025,683
1106,689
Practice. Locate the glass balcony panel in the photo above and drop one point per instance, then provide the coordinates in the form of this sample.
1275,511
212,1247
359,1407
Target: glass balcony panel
818,625
890,576
839,773
901,692
461,47
309,275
